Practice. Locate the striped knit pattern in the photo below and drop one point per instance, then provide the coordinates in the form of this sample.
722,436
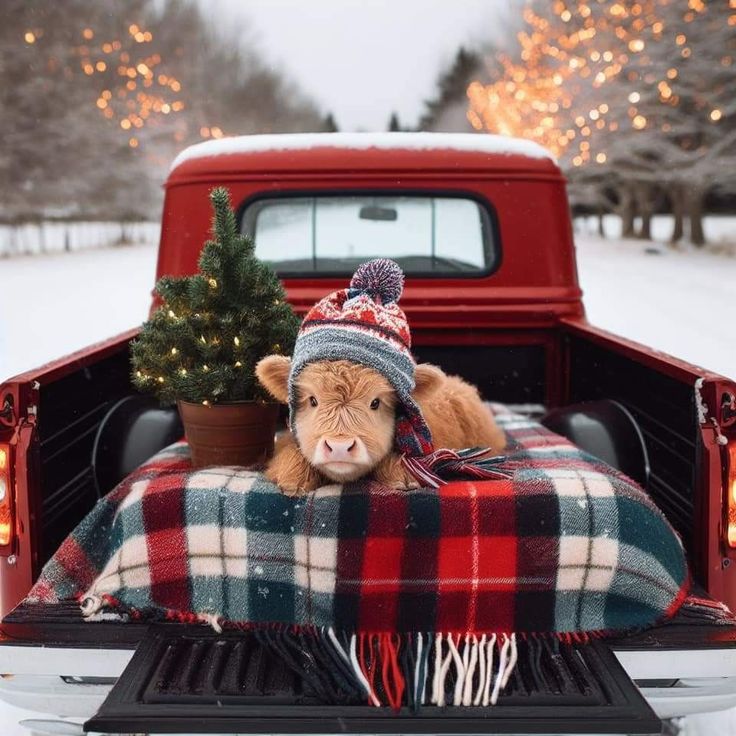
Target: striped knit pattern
365,325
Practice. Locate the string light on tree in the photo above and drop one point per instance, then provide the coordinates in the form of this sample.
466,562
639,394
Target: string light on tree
572,54
141,90
244,318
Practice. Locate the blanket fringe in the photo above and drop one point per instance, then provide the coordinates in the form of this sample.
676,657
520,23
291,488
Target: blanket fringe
213,620
444,465
91,604
400,670
395,670
705,611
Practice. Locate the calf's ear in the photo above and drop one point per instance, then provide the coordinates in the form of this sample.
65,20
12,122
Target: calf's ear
428,378
273,374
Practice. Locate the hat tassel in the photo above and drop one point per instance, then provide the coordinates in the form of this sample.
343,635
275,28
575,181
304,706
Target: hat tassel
441,466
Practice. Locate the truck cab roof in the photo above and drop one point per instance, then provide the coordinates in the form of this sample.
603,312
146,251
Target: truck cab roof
335,152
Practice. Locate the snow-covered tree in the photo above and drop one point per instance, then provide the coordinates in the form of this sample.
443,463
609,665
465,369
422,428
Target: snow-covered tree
96,98
686,94
639,94
55,140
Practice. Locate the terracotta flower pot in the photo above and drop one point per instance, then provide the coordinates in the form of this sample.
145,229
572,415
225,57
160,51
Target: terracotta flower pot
240,433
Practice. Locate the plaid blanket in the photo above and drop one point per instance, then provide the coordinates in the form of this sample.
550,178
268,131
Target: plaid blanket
567,546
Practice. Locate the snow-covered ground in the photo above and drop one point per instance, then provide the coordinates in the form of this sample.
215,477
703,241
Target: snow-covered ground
680,302
55,304
677,301
55,236
719,229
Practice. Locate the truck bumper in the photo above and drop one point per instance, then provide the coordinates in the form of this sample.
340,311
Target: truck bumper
705,679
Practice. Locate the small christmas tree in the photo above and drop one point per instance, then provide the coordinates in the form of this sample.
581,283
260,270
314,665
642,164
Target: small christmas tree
202,344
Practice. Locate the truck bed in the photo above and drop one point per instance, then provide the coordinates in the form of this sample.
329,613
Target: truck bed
550,367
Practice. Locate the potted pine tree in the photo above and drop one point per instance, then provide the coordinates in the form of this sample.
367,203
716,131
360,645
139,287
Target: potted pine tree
200,347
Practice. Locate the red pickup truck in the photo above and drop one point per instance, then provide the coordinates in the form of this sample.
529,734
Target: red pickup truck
481,227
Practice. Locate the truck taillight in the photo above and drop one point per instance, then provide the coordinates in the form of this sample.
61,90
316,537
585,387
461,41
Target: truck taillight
6,515
731,490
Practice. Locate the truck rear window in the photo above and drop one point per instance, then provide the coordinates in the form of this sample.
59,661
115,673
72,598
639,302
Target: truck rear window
332,235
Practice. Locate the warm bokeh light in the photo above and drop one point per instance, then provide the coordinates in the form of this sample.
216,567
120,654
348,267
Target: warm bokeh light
136,89
584,70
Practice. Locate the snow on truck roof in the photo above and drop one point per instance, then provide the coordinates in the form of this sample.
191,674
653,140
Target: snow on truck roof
482,143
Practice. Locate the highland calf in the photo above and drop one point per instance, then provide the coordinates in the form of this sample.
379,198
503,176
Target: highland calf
345,419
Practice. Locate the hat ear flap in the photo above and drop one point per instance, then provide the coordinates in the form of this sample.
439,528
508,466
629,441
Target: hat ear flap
273,374
428,379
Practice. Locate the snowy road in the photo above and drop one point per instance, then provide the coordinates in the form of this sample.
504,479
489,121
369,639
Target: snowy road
55,304
679,302
682,303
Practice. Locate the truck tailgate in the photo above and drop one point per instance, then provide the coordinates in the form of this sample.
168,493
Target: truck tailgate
686,666
185,678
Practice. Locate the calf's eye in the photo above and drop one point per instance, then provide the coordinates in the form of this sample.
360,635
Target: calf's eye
312,401
375,404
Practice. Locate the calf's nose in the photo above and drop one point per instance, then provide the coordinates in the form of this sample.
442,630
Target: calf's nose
334,450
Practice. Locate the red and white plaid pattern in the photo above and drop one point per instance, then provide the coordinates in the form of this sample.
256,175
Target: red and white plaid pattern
565,546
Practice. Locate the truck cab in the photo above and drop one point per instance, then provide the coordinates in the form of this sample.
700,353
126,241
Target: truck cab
481,227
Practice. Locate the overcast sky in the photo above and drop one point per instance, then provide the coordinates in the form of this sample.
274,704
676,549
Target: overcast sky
361,59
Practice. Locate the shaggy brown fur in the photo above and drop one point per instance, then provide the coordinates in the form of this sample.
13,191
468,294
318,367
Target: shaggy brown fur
346,411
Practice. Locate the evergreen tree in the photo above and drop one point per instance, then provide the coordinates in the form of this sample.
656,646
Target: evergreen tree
446,111
328,124
203,342
394,126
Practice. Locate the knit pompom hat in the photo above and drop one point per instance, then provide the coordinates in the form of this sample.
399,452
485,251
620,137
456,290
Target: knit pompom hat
364,324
